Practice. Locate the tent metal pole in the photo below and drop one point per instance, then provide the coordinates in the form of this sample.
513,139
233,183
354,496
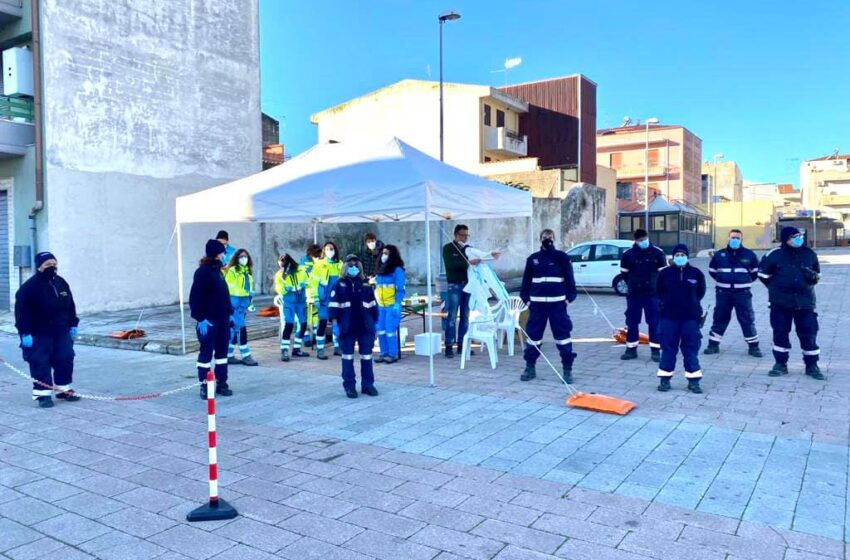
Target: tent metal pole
429,294
180,284
315,232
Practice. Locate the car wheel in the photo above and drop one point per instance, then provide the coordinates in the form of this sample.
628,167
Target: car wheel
621,287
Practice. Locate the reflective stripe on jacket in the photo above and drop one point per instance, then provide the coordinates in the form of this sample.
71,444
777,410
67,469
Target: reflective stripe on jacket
734,269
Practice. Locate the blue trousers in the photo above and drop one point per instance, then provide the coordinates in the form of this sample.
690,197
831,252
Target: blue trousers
741,301
681,335
215,343
240,337
50,352
388,322
806,323
556,315
457,303
635,307
365,342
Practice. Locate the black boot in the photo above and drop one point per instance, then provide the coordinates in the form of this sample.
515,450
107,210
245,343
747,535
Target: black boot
664,384
449,353
656,355
755,351
529,373
298,353
320,353
44,402
233,361
68,396
712,348
223,389
568,374
351,393
778,369
693,386
629,354
204,391
813,371
249,361
284,355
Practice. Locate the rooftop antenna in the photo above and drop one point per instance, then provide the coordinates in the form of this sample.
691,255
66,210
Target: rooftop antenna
509,63
627,121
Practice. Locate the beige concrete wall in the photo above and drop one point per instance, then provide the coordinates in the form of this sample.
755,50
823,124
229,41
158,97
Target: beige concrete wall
728,181
756,219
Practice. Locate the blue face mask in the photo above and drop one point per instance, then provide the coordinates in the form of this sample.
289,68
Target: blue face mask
734,243
680,260
644,244
353,271
797,242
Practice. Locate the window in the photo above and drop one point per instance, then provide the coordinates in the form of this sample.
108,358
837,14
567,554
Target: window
625,224
606,253
653,157
580,254
500,118
637,223
487,119
624,191
657,223
615,160
673,222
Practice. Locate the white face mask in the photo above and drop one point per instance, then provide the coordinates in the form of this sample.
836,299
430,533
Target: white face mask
371,245
385,258
243,261
329,253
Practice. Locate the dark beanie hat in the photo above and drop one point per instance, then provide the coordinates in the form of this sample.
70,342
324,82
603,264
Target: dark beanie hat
214,248
681,248
787,233
42,258
222,235
640,234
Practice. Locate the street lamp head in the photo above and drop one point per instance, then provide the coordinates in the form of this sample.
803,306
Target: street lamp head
652,120
449,16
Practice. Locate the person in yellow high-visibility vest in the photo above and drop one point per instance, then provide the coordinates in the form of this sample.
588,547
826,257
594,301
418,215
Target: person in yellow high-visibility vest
290,282
328,273
240,283
308,262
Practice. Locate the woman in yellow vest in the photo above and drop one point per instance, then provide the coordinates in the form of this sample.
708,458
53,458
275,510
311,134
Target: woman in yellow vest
240,283
389,291
290,283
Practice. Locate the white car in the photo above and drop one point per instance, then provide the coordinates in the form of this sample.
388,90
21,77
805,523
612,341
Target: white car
596,264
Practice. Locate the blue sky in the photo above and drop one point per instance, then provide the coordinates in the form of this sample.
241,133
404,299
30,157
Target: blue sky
765,83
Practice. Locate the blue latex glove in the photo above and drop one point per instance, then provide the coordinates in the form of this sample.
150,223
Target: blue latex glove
204,327
26,341
74,332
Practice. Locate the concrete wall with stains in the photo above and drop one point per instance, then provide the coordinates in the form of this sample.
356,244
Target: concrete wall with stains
145,101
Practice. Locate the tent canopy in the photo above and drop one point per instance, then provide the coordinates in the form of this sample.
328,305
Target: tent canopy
329,183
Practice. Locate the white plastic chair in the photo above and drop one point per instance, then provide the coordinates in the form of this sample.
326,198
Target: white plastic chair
482,329
509,324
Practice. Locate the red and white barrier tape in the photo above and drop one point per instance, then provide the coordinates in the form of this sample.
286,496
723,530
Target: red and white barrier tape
213,454
93,397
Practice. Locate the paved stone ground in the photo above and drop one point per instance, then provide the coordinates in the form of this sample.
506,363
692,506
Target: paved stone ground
483,466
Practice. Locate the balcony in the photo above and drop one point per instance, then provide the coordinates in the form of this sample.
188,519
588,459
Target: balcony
10,10
504,142
836,200
16,128
639,171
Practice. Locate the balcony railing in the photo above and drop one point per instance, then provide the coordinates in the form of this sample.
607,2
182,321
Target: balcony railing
638,171
16,109
502,141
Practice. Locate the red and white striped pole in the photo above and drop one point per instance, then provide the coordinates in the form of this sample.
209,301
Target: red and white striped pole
217,508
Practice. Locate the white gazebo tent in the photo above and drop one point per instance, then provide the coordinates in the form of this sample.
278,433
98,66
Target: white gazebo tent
344,183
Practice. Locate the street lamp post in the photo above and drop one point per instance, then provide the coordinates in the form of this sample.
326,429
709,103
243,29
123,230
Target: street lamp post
443,18
649,121
711,194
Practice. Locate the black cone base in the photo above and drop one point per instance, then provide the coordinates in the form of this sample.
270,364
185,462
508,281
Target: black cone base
213,511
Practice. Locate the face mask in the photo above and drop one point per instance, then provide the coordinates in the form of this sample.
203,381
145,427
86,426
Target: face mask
548,243
371,245
385,258
734,243
644,244
353,271
243,261
50,271
797,242
680,260
330,253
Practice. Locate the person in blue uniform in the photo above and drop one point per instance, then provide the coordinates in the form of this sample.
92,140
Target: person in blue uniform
548,285
389,291
681,288
639,266
352,307
290,283
734,270
209,305
790,273
46,320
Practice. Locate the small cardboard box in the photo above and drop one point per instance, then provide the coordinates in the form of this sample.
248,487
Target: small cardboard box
427,344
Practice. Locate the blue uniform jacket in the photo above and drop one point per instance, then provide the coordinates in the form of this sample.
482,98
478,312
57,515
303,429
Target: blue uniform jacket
353,307
44,305
548,278
734,269
681,289
209,298
790,276
640,269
